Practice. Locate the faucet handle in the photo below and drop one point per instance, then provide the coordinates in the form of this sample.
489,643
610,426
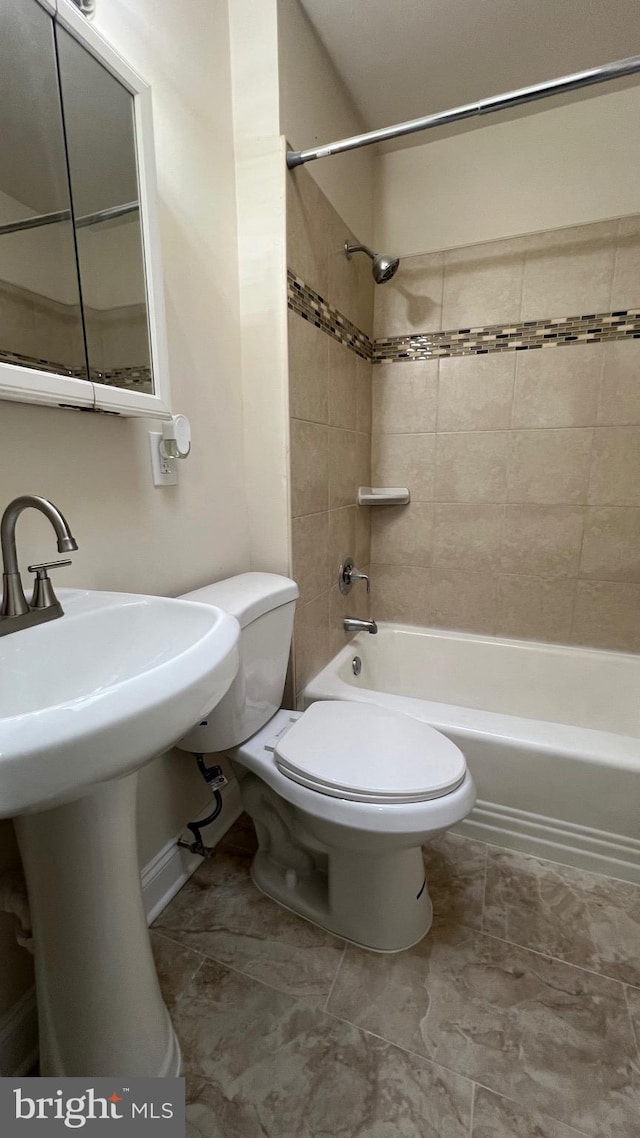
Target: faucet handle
43,594
348,573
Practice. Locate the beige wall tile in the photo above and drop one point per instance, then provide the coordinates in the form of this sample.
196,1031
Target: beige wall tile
569,272
475,392
349,282
405,397
626,276
542,540
364,372
400,593
535,608
363,461
472,467
483,284
402,535
405,460
363,535
558,387
611,548
412,300
355,603
310,555
463,600
342,538
307,221
549,466
311,639
467,536
615,467
343,468
620,390
607,615
309,468
342,385
308,380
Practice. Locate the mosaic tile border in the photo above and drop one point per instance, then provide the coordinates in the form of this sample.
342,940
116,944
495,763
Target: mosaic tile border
126,377
522,336
594,328
312,307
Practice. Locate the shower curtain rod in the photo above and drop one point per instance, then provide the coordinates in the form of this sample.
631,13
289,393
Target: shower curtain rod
65,215
469,110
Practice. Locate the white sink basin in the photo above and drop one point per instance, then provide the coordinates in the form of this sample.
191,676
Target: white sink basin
84,701
95,694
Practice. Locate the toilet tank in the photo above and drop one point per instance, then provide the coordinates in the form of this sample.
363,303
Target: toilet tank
264,605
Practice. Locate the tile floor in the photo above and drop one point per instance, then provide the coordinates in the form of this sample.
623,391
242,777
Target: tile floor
514,1018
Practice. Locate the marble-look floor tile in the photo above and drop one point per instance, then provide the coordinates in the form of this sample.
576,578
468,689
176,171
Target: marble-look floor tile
633,1001
548,1035
264,1065
498,1117
241,837
232,922
176,966
568,913
455,869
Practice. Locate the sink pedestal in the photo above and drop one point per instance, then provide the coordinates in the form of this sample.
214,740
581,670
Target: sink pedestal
100,1010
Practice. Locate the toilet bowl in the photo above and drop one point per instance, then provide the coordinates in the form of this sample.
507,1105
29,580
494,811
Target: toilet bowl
342,796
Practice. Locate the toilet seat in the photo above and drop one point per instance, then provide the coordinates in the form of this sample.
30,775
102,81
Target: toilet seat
365,753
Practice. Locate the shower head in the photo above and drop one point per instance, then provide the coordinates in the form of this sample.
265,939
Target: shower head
383,267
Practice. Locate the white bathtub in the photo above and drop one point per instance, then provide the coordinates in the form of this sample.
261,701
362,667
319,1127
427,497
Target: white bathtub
551,734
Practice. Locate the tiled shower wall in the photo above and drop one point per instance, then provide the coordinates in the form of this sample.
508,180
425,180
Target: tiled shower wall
330,407
523,465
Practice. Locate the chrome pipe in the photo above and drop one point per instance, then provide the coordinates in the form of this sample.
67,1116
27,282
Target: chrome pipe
530,94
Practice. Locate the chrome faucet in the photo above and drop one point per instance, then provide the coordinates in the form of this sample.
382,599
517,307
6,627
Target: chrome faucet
354,624
16,612
348,574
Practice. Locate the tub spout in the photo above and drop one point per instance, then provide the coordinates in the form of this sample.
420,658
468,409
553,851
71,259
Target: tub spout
354,624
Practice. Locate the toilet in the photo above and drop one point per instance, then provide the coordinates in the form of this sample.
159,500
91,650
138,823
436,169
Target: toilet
342,795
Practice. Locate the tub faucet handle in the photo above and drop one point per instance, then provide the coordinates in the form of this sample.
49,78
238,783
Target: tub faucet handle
348,573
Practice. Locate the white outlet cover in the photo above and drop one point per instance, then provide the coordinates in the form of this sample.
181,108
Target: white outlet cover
165,472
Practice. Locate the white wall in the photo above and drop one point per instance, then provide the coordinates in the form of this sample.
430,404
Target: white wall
315,107
566,166
131,535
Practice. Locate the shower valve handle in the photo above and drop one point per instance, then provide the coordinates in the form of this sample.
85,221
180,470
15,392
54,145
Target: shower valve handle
348,574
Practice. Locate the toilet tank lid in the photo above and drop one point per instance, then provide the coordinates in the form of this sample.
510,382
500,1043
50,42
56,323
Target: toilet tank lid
247,596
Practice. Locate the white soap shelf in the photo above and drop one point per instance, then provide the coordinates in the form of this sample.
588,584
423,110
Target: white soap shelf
383,496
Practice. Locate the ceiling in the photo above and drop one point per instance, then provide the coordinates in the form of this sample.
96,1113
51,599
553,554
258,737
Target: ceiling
402,59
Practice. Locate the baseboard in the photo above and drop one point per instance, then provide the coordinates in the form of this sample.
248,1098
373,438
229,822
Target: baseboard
162,877
555,840
167,872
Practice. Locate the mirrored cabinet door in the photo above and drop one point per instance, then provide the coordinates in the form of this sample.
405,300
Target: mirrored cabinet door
101,147
40,315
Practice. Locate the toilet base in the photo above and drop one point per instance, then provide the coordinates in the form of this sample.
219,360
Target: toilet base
379,903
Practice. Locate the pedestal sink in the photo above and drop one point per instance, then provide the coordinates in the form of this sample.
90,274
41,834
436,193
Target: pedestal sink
85,701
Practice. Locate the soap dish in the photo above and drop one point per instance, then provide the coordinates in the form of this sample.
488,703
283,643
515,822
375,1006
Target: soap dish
383,496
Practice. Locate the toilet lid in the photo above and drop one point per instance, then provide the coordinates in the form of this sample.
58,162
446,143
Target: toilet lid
365,753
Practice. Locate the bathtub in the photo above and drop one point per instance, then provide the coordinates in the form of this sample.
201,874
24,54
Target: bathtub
551,734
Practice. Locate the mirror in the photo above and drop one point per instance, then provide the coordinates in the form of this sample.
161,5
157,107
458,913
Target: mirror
81,309
100,133
40,318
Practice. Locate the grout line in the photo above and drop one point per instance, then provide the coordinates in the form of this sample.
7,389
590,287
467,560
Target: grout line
558,960
333,982
634,1033
529,1109
473,1107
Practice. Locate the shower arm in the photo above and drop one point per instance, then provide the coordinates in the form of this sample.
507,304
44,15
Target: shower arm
517,98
